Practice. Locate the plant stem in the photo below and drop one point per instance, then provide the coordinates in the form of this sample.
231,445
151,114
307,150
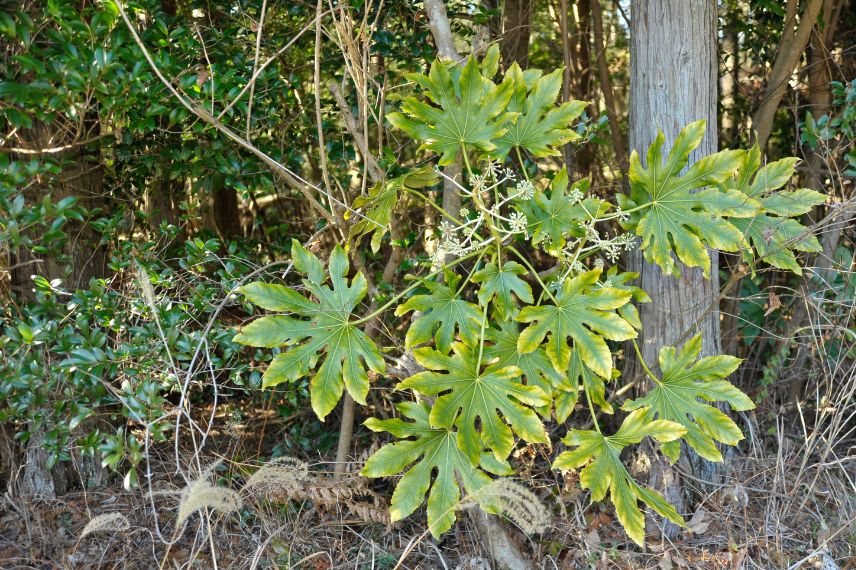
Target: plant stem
534,273
644,364
591,410
433,205
410,288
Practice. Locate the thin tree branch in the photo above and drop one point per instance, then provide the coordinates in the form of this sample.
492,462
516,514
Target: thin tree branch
255,63
290,177
606,86
790,49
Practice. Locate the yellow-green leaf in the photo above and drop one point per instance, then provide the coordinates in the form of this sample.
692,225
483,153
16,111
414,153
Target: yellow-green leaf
677,397
468,109
442,313
583,312
542,127
477,401
605,473
432,451
321,331
678,213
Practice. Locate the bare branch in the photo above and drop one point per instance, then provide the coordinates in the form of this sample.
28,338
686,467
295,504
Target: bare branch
438,21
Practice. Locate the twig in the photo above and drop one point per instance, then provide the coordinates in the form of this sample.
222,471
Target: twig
255,63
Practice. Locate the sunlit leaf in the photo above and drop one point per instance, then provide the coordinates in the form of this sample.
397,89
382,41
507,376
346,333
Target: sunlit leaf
584,312
676,397
542,127
773,233
464,108
324,333
433,452
604,472
485,405
685,214
442,312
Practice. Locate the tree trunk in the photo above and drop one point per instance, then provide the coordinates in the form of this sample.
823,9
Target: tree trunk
673,81
81,259
220,207
162,199
517,27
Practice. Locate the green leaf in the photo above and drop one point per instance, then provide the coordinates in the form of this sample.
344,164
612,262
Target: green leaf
471,395
676,398
680,215
606,473
773,234
501,285
593,384
325,333
552,220
433,450
468,109
306,263
536,366
542,128
274,297
380,203
583,312
442,311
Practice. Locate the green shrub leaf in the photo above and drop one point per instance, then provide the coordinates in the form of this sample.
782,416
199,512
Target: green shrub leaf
584,313
472,396
442,311
772,233
432,449
680,215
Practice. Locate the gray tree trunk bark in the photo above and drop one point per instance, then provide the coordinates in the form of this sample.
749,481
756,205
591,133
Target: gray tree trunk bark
82,258
673,81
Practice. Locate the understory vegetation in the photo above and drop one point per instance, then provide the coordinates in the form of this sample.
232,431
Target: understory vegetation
440,284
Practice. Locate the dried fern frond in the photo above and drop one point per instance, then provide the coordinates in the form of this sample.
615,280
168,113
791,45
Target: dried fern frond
289,479
110,522
515,501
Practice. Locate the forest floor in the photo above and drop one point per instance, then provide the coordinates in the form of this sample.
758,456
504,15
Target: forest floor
777,510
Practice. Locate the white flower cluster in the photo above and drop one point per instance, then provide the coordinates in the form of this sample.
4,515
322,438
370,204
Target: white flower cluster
456,241
525,190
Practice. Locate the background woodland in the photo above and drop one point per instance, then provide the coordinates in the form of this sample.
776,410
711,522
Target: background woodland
158,156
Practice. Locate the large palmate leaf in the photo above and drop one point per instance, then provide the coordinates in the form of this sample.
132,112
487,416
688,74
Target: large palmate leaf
676,398
536,366
442,311
380,202
474,396
553,219
605,471
324,333
468,109
679,214
773,234
542,127
502,284
583,312
435,452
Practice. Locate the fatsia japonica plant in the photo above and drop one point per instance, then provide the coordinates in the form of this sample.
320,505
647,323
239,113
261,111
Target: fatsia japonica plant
503,348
